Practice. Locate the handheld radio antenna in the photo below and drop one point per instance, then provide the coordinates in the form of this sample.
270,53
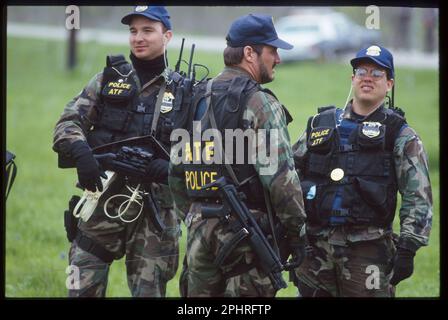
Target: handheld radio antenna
177,68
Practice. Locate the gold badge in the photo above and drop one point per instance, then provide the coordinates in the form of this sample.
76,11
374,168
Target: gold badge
371,129
337,174
167,102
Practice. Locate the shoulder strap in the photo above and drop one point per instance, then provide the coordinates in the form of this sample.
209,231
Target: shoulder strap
235,90
211,114
394,122
326,117
159,101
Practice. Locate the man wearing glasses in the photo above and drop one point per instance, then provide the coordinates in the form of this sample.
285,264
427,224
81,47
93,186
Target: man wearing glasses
352,162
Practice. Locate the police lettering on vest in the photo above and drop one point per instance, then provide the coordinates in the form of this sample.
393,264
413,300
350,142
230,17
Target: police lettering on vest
124,112
203,158
198,176
349,175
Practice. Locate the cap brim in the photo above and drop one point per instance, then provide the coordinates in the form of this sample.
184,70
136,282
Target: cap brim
279,43
127,18
354,62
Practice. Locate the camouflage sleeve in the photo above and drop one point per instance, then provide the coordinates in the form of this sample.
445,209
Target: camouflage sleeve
299,150
276,167
177,188
72,126
411,164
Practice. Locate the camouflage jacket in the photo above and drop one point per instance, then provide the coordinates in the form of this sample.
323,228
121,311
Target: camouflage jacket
411,167
75,121
265,112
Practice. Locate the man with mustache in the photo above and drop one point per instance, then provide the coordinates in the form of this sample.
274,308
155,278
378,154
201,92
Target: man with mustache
352,162
235,100
124,101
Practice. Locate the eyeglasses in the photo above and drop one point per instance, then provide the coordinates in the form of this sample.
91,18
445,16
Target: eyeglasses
375,73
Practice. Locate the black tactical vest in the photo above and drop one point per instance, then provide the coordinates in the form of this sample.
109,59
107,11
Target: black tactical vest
228,101
349,172
123,112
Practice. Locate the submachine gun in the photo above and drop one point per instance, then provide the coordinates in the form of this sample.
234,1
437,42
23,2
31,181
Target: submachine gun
249,229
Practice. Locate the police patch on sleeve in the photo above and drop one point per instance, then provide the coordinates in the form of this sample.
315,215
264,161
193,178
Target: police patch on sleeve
318,136
167,102
371,129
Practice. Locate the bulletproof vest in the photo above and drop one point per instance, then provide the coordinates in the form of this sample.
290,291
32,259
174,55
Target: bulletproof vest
123,112
228,100
349,174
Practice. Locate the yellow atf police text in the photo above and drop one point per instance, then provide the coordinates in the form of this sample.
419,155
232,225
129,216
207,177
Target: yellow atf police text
117,88
194,179
318,136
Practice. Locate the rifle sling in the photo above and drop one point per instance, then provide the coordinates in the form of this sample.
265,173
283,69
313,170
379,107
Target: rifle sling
159,101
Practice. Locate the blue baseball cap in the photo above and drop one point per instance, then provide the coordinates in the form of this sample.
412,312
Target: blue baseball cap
255,29
378,55
157,13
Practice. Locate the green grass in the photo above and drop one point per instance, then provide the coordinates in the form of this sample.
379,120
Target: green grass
38,87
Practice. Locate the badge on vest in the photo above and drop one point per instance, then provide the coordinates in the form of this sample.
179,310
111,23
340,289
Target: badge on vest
167,102
371,129
318,136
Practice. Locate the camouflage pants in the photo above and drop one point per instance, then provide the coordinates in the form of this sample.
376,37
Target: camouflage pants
204,279
151,257
360,269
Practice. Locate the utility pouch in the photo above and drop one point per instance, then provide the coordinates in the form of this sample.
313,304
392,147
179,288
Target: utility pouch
115,119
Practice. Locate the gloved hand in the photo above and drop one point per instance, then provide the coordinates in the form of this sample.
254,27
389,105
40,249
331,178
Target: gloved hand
298,251
403,265
88,169
157,171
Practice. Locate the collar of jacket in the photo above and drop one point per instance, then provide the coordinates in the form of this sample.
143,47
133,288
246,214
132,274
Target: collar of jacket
147,70
231,72
350,114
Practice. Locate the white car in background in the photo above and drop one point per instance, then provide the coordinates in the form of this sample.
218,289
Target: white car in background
322,36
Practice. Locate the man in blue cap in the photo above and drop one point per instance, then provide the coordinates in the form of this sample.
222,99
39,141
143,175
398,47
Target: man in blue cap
352,162
124,101
219,262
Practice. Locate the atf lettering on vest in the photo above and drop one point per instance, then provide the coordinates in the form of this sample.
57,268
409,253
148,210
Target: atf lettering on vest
118,88
124,111
198,174
195,155
319,136
349,175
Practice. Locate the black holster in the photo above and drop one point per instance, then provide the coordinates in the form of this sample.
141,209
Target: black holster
70,221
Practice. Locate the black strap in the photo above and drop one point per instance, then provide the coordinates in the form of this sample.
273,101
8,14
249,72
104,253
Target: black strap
267,200
211,114
91,246
115,60
156,116
235,89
